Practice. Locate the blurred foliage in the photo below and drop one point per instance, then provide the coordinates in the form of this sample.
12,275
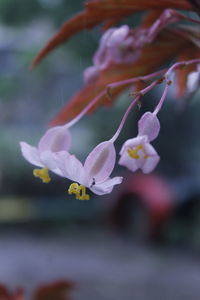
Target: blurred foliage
23,11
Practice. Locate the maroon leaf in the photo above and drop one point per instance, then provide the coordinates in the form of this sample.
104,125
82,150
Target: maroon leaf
104,11
54,291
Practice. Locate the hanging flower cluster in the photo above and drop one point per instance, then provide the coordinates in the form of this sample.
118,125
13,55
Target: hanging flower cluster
121,53
53,150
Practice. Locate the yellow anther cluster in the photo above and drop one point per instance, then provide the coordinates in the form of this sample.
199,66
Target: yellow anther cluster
79,191
133,152
43,174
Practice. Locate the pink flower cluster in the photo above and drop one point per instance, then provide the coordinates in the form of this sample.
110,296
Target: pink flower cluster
116,45
53,154
123,45
119,45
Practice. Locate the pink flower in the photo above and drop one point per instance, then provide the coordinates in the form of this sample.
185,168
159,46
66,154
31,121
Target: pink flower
94,174
115,46
123,45
55,139
138,153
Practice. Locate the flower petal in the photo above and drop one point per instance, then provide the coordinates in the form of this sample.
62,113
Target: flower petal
101,58
55,139
31,154
118,35
153,158
147,156
91,74
100,162
106,187
149,125
48,159
71,167
130,163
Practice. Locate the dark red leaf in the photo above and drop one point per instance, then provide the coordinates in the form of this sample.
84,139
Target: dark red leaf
153,56
107,12
54,291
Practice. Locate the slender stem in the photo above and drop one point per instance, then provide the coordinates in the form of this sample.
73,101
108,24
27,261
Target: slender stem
162,99
179,65
140,93
105,92
136,79
135,101
86,109
192,20
115,136
184,17
147,89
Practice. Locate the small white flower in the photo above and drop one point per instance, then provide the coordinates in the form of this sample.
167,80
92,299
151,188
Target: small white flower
138,153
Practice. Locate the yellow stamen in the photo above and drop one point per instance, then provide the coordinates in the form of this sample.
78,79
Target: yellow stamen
43,174
133,152
79,191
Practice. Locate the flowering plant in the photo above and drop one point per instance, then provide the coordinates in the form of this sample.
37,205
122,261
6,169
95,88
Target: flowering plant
126,57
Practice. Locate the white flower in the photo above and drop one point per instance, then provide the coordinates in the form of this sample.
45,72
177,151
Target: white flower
138,153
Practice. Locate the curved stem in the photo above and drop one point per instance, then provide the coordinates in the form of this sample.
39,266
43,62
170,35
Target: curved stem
135,101
121,125
136,79
141,93
179,65
86,109
115,85
162,99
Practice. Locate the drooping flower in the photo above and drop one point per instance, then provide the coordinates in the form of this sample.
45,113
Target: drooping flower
55,139
116,45
94,174
123,45
138,153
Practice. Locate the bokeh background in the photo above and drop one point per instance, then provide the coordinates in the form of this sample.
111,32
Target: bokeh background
142,241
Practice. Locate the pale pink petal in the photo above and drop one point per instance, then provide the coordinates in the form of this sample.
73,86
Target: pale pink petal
118,36
55,139
151,162
49,161
106,187
31,154
91,74
100,162
60,158
126,161
71,167
149,125
100,57
169,16
117,48
146,164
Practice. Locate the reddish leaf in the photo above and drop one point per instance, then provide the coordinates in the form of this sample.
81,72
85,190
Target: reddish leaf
54,291
137,5
104,11
5,294
167,45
